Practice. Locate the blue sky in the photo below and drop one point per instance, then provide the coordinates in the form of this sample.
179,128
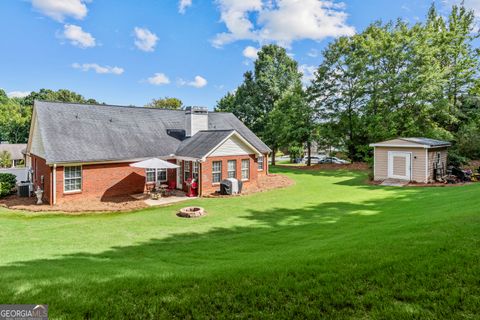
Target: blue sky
129,52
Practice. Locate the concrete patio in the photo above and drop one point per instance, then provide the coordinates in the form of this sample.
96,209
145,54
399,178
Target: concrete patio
177,196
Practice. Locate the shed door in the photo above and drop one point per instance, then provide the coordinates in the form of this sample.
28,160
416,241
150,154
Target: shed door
400,165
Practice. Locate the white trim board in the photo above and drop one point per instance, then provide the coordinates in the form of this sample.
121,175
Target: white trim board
408,165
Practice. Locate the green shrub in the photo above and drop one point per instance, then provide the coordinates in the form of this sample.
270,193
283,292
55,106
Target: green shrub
455,159
4,189
7,183
8,178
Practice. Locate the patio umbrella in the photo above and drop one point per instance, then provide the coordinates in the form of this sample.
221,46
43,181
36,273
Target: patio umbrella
154,163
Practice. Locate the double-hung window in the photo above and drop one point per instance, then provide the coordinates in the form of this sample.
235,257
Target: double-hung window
245,169
150,175
232,168
186,170
195,169
72,179
260,163
156,175
216,171
161,175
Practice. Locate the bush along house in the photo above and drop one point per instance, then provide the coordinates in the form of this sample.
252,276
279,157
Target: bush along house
83,150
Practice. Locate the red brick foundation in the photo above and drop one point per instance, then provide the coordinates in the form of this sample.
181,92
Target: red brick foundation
207,187
41,169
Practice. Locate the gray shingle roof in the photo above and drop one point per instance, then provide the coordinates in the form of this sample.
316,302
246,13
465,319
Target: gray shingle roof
201,143
427,141
15,149
83,132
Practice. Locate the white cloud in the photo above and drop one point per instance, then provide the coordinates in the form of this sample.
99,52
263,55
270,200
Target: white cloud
250,52
198,82
469,4
308,73
18,94
159,79
183,5
98,68
60,9
281,21
313,53
77,36
145,40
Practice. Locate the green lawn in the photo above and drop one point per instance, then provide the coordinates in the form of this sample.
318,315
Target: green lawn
328,247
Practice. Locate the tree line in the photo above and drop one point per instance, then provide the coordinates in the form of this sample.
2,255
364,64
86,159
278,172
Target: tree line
16,113
393,79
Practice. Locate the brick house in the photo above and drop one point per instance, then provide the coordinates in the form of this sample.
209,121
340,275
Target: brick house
83,150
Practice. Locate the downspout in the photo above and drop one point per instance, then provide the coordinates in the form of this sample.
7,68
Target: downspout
54,183
200,168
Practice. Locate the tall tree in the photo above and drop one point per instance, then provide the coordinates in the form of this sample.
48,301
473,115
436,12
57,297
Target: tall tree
294,121
397,79
454,38
244,103
62,95
275,75
337,91
166,103
16,113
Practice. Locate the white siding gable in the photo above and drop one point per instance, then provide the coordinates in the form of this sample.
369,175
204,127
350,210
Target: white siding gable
37,147
233,146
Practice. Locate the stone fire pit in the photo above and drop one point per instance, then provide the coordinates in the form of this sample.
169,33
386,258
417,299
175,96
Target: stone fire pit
191,212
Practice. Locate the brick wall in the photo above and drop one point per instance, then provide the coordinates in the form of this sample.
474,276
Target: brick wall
113,179
207,187
40,168
102,181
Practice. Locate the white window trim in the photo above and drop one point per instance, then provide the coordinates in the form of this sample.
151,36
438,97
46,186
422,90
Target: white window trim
81,180
186,164
248,170
263,163
195,170
213,172
155,175
408,165
234,170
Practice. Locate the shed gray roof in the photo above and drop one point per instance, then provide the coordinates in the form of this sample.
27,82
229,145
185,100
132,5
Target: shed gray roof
14,149
86,133
427,141
202,143
412,142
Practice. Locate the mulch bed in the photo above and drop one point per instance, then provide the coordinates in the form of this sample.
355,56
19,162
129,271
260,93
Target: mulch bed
125,203
264,183
438,184
113,204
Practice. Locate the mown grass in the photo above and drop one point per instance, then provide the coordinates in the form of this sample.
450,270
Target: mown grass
328,247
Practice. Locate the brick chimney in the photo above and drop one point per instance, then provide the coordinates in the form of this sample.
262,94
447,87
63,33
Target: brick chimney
196,119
